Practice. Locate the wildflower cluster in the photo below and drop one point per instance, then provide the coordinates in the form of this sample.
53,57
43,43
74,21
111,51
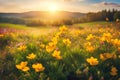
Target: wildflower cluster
52,46
93,54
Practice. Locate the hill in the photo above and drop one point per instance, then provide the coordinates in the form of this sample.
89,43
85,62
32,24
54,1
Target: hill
44,15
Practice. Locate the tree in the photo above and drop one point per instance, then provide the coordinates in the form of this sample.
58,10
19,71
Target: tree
117,15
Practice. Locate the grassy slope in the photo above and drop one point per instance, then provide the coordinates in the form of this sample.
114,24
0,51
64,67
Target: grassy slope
17,26
43,30
93,24
32,30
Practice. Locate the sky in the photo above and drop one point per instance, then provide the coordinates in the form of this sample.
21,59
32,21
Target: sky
83,6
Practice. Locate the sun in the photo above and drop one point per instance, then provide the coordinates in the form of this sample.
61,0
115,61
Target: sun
53,8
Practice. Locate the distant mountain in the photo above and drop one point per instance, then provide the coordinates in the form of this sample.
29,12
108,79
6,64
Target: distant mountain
44,15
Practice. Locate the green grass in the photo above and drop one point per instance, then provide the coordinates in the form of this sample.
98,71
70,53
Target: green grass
43,30
16,26
93,24
36,31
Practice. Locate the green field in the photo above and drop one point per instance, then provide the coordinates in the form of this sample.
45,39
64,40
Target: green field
39,30
84,51
26,27
93,24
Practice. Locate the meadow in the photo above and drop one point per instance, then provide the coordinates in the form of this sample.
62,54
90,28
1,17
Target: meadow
86,51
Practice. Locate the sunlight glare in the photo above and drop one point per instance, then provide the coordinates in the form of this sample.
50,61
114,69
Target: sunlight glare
53,7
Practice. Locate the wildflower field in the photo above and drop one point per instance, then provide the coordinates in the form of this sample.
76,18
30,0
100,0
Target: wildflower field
77,52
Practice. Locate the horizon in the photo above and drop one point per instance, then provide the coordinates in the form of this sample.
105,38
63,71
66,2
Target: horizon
63,11
82,6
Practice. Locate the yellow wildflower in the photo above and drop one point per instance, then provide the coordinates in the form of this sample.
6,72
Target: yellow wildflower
87,44
106,37
115,42
22,66
54,40
67,42
42,46
12,34
102,57
89,37
90,48
25,69
101,30
92,61
1,35
102,39
63,29
22,47
56,54
50,47
113,71
78,32
38,67
58,34
31,56
107,56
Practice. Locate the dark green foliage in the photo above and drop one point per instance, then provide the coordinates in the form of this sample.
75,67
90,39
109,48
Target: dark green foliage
102,15
117,15
8,70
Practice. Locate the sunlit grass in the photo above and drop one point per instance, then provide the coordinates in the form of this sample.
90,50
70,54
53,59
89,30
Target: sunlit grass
93,24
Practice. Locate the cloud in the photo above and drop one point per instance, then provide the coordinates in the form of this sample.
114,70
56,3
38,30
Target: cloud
110,4
9,7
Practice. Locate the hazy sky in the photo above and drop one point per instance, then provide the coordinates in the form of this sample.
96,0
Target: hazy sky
66,5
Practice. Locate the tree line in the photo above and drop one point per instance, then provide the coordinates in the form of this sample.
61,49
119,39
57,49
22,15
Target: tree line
111,15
